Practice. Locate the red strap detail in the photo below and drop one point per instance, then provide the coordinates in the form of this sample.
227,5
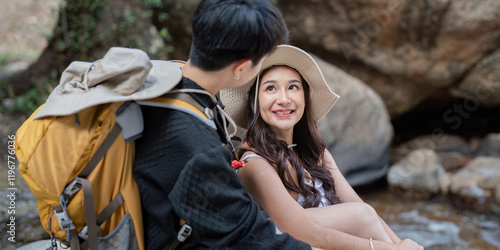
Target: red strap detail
237,164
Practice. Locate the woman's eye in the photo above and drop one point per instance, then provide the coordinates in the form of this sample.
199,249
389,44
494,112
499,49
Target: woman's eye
270,88
293,87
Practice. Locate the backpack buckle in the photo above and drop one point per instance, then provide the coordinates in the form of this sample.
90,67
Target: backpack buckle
84,233
62,215
64,221
184,232
73,187
63,218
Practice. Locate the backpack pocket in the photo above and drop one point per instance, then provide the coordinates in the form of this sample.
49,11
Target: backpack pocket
122,237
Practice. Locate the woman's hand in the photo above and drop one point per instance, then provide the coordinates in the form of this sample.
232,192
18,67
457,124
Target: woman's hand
409,244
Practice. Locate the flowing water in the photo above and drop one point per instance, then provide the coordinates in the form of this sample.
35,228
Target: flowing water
434,223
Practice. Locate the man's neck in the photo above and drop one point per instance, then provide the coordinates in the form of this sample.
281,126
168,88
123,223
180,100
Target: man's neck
211,81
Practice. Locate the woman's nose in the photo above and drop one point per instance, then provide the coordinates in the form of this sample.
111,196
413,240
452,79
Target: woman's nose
283,98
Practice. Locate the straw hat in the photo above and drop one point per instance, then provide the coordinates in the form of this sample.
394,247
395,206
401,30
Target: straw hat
123,74
322,97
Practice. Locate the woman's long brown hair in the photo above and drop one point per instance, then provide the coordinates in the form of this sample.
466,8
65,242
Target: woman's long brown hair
308,154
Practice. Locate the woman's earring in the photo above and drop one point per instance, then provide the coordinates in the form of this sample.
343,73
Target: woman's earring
237,77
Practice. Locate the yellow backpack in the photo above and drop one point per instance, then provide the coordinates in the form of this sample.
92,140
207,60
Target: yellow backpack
58,159
79,167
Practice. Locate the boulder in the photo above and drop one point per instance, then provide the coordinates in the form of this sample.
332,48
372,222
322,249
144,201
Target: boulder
489,146
357,130
412,53
409,52
478,182
420,172
452,150
482,84
27,221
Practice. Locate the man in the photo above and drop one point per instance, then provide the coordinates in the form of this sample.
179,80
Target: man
182,168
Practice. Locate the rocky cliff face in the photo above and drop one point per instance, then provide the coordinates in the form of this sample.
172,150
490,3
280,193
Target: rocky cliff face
410,52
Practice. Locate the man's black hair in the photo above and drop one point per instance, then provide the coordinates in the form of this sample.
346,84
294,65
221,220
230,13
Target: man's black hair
226,31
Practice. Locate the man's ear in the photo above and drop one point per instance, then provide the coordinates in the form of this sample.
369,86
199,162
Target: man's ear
240,66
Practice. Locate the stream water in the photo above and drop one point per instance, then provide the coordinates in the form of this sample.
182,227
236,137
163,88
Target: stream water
434,223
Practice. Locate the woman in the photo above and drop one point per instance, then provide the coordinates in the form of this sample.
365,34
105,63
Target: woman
288,170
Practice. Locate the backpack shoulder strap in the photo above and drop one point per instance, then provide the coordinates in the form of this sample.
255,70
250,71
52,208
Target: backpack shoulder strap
182,102
252,155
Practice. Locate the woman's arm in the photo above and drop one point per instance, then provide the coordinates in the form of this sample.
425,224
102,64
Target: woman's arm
394,237
263,183
343,189
347,194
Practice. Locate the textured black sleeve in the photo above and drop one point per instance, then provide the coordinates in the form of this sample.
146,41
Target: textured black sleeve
210,197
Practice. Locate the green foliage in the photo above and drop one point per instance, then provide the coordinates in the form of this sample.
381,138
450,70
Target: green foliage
165,34
28,102
162,16
3,60
84,26
78,23
127,23
153,3
5,91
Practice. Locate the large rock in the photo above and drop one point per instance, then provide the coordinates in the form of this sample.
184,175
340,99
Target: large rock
482,84
408,51
357,130
478,182
414,54
452,150
489,146
27,221
420,172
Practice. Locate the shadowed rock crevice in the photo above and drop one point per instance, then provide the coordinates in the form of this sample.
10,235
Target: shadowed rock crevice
463,118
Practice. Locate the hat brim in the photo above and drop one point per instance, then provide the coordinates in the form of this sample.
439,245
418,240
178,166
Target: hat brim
322,97
162,77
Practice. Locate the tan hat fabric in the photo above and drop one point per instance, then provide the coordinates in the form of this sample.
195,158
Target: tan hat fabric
322,97
123,74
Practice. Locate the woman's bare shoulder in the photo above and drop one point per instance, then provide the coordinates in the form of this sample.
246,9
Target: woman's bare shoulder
328,161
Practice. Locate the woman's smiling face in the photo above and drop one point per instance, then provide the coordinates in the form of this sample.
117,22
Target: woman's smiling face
281,99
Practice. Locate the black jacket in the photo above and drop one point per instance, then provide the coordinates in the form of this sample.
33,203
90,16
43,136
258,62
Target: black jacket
183,171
